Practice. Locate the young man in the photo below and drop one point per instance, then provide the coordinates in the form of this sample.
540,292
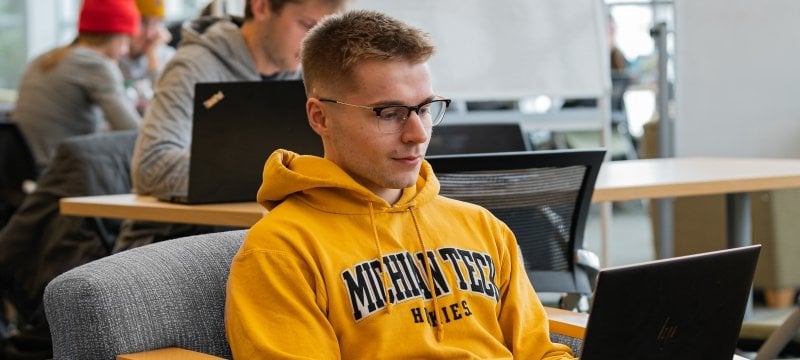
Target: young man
264,45
359,257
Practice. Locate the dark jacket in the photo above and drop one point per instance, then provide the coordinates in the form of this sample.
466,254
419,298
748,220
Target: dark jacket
38,243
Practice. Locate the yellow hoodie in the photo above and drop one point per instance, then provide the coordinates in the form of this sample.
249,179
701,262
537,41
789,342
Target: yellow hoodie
313,277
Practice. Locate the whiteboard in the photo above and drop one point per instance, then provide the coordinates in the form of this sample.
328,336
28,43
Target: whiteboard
737,78
505,49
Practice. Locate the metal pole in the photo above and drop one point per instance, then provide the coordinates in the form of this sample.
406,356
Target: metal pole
665,206
659,33
739,230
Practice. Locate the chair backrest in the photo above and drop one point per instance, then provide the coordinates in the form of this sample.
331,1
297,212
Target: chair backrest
477,138
16,167
543,196
38,243
166,294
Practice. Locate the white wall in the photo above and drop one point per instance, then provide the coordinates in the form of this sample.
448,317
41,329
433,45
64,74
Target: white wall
737,78
511,48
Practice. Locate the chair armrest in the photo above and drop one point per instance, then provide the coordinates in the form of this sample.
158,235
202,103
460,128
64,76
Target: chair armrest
561,321
171,353
565,322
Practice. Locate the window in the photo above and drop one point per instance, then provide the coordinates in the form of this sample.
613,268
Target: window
29,28
633,21
12,41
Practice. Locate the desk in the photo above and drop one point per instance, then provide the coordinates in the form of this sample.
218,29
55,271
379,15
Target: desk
130,206
674,177
617,181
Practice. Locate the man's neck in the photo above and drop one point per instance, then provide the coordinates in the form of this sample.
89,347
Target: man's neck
252,40
391,195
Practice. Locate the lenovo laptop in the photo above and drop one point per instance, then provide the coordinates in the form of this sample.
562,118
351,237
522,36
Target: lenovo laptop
688,307
236,126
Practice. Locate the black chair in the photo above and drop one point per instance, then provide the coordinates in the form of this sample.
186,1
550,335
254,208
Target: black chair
17,168
544,197
38,243
477,138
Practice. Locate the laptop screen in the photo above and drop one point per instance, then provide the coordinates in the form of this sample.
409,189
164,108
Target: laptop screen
476,138
236,126
688,307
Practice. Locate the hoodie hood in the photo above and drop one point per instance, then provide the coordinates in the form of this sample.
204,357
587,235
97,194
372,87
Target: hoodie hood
325,186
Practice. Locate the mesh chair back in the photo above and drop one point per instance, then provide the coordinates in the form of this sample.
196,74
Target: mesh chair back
542,196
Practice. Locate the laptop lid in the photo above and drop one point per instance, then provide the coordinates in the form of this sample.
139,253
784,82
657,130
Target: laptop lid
688,307
476,138
236,126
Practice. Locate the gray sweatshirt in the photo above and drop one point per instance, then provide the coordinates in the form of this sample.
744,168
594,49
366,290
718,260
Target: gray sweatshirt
211,50
79,96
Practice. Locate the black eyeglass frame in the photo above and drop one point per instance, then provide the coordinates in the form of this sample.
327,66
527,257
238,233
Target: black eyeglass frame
379,109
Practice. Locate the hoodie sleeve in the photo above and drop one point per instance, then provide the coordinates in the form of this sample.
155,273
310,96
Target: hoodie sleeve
522,316
273,309
161,157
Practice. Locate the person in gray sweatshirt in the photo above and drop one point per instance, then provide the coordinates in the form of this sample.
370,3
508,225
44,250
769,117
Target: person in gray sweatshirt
78,89
264,45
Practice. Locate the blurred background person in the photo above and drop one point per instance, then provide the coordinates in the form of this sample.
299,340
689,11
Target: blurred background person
78,89
149,52
72,90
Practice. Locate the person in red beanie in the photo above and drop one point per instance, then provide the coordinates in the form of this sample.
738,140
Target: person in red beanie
78,89
71,90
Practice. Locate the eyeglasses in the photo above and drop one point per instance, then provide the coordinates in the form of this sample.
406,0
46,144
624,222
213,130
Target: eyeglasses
392,118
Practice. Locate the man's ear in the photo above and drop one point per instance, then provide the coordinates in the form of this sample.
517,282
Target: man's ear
260,8
317,117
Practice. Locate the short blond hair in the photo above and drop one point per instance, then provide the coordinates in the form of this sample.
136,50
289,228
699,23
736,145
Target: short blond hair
331,49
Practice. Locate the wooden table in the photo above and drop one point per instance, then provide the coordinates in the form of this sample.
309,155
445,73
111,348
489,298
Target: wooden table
130,206
675,177
618,181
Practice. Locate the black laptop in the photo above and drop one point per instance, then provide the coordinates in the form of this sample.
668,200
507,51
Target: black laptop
688,307
236,126
477,138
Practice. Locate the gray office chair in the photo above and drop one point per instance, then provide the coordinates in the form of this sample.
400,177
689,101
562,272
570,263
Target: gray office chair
38,243
167,294
544,197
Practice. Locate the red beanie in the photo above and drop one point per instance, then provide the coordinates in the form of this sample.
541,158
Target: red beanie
109,16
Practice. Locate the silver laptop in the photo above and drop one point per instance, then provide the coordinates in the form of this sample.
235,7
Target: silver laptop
688,307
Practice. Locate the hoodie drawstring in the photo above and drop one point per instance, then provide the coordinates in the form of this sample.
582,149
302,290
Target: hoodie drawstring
425,260
431,284
384,275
